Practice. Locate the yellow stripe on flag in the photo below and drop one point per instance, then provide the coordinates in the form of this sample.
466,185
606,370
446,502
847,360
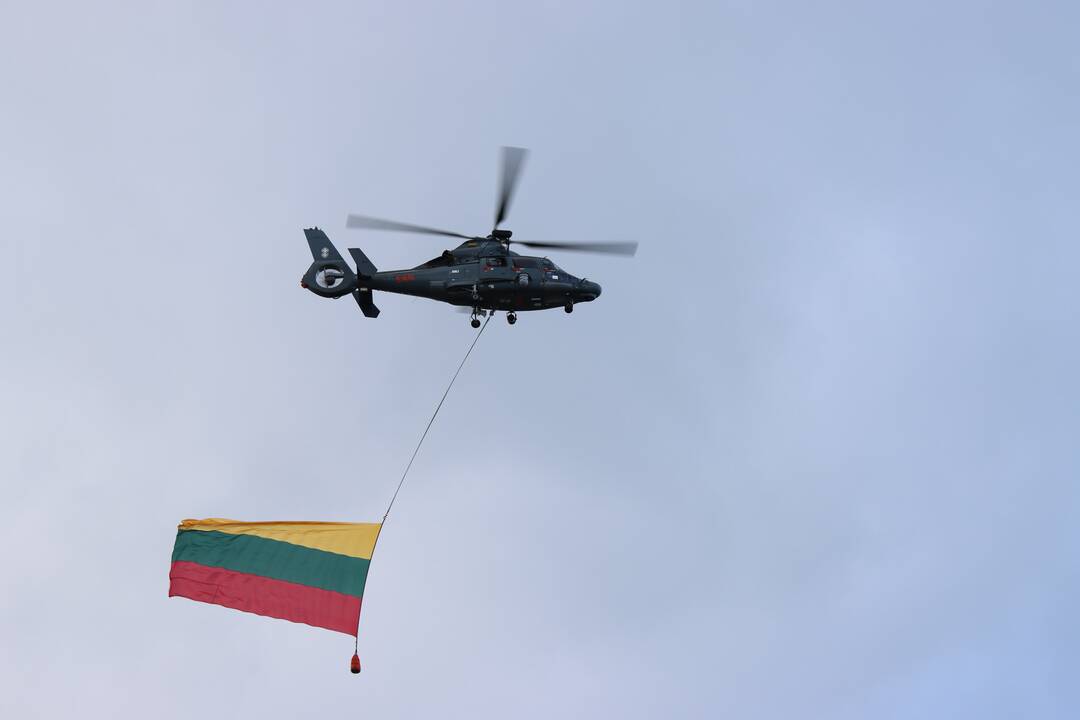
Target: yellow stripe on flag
352,539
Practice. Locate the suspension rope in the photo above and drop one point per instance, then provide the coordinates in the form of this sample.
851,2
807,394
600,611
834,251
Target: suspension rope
356,638
432,420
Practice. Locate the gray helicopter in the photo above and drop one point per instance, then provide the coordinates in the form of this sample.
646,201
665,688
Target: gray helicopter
481,274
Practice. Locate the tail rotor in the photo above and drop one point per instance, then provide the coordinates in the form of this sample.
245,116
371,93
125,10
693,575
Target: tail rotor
330,276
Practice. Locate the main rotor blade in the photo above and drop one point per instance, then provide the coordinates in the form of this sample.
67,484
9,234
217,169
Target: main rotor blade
370,223
512,160
608,248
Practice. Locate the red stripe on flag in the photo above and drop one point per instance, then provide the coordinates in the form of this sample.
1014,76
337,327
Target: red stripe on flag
265,596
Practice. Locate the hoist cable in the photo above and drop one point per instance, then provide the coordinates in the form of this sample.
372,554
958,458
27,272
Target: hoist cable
433,415
356,638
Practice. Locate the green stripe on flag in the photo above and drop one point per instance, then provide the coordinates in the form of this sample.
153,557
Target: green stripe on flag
273,559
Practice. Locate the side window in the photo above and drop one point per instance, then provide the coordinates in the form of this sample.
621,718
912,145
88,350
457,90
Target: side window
495,262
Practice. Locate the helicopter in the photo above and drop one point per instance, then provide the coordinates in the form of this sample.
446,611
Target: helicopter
481,275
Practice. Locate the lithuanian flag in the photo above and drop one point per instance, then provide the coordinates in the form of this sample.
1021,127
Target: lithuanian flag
306,572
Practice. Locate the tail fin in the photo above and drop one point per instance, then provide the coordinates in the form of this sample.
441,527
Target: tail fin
364,267
364,270
322,250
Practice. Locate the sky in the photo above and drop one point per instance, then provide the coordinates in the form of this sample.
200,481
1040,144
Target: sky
813,452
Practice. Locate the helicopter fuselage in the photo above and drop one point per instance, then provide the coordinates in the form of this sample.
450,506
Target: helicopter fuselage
479,274
493,282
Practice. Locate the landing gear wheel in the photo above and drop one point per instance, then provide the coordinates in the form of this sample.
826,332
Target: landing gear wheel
511,317
475,322
569,307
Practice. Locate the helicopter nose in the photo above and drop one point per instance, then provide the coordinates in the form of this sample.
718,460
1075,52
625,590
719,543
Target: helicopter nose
588,290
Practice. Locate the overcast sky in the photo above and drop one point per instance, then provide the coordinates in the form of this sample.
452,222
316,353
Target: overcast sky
813,453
